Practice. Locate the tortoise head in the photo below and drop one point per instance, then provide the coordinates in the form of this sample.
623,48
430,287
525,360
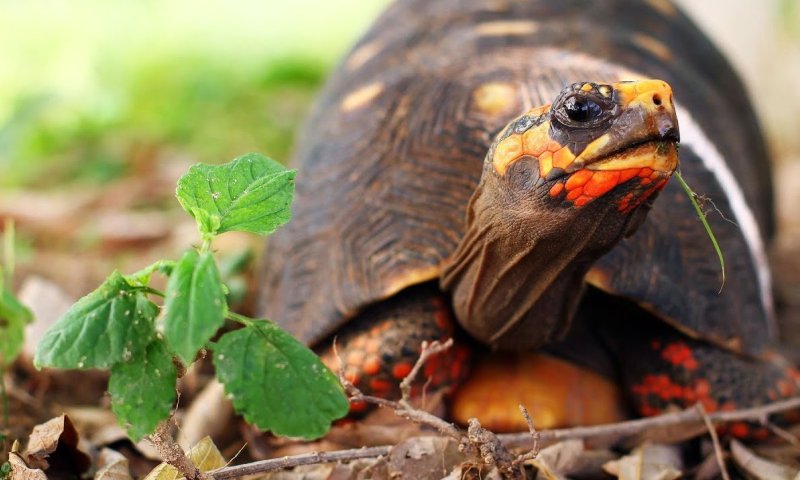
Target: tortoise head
562,184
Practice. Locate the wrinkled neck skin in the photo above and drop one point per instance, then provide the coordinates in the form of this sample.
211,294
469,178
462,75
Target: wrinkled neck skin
517,275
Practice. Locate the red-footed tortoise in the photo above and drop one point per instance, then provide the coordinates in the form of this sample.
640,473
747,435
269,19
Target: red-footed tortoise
406,230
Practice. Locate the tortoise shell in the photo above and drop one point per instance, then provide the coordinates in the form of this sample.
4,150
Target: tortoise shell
394,149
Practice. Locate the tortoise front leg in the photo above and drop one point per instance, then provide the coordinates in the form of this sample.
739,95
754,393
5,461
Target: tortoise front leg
380,346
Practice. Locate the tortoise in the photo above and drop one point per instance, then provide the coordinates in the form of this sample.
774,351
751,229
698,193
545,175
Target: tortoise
427,207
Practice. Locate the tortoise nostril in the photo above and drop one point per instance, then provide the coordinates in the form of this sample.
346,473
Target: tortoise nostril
657,99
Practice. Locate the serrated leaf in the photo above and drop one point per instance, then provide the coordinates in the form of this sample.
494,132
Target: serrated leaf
253,193
195,304
277,383
112,324
143,390
13,318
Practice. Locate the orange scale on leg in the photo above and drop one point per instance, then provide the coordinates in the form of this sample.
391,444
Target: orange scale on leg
645,172
401,370
646,181
556,189
582,200
380,387
372,366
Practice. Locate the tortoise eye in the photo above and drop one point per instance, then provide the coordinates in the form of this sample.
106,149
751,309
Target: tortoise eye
582,109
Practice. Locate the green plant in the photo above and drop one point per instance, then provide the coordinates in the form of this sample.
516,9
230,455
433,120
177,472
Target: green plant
13,317
274,381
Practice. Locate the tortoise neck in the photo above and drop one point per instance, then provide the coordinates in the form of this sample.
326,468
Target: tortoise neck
516,280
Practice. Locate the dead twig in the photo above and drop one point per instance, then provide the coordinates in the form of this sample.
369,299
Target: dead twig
723,469
172,453
403,406
297,460
630,428
627,428
534,451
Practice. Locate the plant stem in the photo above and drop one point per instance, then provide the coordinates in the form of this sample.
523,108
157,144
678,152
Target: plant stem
4,395
702,216
8,250
246,321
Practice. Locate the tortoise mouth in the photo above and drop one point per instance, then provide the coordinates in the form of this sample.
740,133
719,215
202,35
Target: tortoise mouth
659,154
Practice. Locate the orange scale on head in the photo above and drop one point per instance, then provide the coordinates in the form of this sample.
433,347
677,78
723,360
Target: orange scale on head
574,194
601,182
627,174
545,164
556,189
579,179
562,158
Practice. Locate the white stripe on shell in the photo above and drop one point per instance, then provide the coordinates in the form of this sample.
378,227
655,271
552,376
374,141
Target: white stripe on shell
692,135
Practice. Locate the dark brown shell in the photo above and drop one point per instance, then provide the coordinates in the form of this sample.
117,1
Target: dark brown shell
395,147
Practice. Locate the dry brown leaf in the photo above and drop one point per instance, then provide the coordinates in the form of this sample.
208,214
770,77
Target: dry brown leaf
54,444
424,458
21,471
205,456
112,465
210,414
759,467
569,458
648,462
48,302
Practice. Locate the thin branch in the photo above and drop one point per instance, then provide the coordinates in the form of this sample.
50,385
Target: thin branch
533,452
172,453
428,350
296,460
627,428
633,427
715,440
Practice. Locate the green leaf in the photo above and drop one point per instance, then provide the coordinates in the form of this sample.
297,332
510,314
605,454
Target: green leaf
13,318
195,304
277,383
143,390
252,193
112,324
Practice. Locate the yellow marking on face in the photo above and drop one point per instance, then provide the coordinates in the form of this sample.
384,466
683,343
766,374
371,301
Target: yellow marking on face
545,164
591,150
361,97
648,94
506,28
535,140
665,7
494,98
563,158
587,87
362,55
506,153
656,47
661,157
605,90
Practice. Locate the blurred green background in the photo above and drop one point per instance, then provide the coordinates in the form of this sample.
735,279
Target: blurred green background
88,88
